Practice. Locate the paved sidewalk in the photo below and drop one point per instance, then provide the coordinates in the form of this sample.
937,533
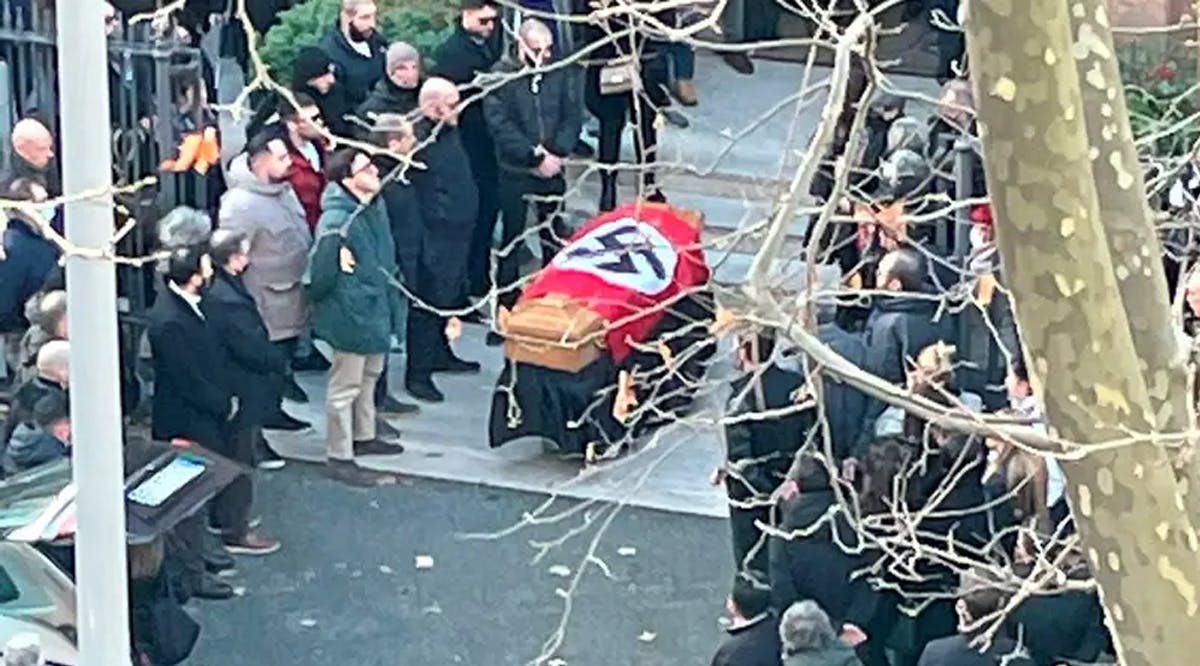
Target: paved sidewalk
669,470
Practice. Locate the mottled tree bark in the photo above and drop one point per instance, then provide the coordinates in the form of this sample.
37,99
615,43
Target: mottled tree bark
1127,503
1132,239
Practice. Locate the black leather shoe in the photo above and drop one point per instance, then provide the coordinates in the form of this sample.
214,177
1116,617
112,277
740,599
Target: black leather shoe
216,559
377,447
424,390
740,62
494,339
281,420
393,407
314,362
385,431
457,366
293,392
608,192
212,588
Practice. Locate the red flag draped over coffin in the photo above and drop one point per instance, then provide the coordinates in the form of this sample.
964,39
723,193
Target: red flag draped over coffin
624,265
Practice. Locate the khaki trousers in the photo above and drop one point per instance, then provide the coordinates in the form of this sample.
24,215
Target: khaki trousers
350,402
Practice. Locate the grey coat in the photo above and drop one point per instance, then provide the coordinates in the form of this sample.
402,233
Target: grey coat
272,217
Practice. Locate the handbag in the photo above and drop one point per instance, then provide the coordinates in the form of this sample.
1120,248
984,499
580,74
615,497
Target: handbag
620,75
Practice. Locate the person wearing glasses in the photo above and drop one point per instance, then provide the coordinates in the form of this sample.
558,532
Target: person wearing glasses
473,49
535,119
356,308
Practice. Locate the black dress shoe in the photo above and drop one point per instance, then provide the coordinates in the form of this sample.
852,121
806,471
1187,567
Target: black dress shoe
377,447
457,366
393,407
314,362
385,431
217,560
211,587
494,339
281,420
293,392
740,62
676,118
583,149
424,390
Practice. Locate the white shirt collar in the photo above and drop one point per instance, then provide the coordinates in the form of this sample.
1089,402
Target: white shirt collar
193,300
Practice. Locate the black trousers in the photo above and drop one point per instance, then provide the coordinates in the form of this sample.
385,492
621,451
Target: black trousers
229,510
516,190
749,540
612,125
480,249
426,343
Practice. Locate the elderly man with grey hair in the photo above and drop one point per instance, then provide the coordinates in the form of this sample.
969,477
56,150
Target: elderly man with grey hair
357,49
397,92
808,638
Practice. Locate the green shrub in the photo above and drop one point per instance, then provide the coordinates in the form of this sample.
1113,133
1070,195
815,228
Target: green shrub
422,23
1160,91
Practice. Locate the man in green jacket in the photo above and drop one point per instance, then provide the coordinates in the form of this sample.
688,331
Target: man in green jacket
356,307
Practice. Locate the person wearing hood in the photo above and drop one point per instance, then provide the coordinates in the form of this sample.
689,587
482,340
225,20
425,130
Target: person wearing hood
45,440
900,325
447,199
753,630
357,309
471,50
53,376
33,157
262,206
397,92
535,119
26,258
808,638
357,49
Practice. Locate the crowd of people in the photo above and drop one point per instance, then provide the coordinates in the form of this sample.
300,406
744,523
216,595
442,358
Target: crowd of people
349,244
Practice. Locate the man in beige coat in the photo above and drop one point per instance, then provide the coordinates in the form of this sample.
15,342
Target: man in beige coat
262,206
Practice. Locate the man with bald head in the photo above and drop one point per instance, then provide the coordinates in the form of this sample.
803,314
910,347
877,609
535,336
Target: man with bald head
448,201
33,156
535,119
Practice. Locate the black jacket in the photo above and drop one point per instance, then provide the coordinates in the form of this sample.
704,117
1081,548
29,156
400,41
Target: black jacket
408,229
448,200
754,645
898,328
387,97
652,64
533,110
985,365
254,366
761,450
1065,626
356,72
957,651
192,393
816,567
333,106
47,177
844,404
460,59
28,259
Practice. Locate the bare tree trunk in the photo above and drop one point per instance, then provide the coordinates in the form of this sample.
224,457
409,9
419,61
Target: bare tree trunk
1132,240
1127,503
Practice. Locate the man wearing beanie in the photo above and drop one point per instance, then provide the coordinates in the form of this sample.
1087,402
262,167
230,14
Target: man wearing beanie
357,48
314,74
395,93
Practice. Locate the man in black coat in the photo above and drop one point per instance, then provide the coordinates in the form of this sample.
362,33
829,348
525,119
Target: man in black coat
313,73
357,49
759,451
535,122
473,49
899,327
193,396
397,92
1065,625
447,200
754,630
817,566
33,157
255,370
975,603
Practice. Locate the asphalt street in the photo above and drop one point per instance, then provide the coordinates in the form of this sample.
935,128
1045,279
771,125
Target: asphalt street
347,587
